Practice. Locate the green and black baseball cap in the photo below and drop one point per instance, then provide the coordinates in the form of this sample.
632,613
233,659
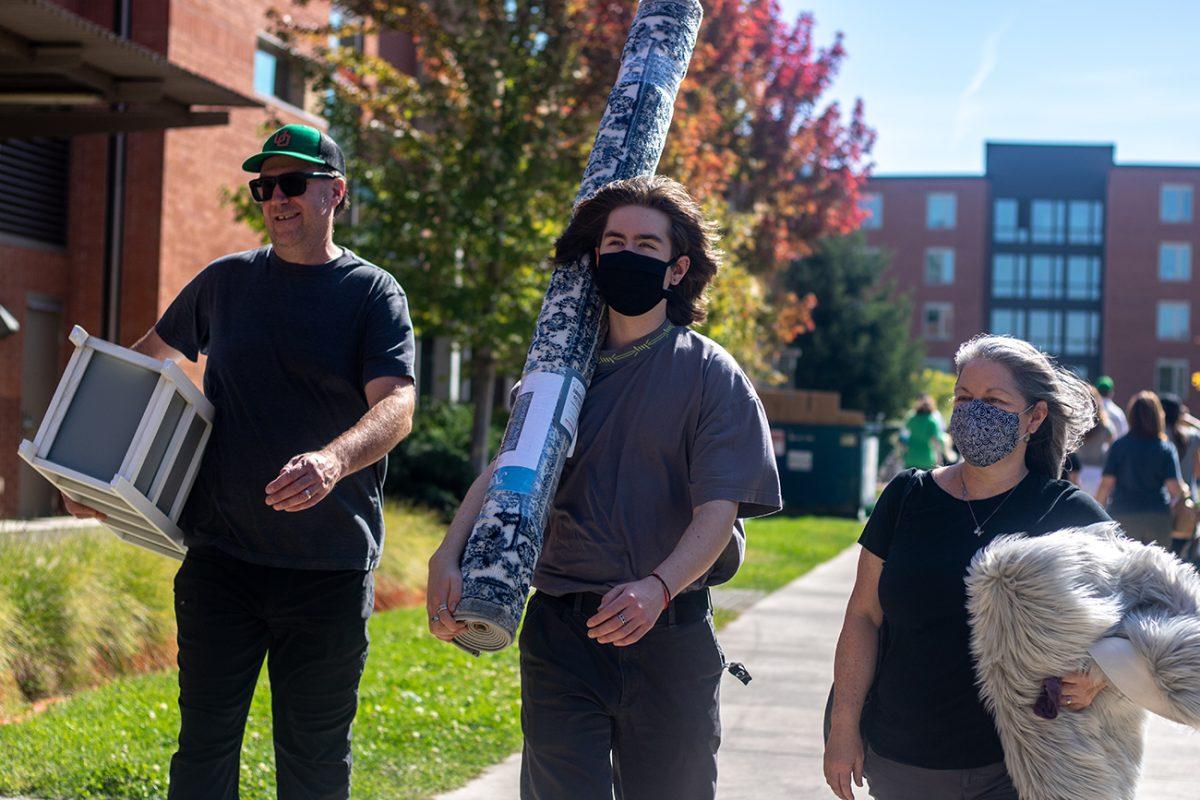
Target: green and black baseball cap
299,141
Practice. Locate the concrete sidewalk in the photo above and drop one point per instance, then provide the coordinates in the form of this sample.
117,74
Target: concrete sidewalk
772,728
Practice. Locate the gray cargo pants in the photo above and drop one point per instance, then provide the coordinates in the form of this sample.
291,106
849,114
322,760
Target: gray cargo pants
643,720
891,780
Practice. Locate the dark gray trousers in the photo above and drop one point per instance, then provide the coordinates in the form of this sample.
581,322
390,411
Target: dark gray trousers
891,780
643,720
311,627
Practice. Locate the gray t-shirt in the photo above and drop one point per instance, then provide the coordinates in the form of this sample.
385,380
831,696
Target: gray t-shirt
290,350
669,423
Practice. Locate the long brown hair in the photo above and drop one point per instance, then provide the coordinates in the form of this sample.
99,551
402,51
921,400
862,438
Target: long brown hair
692,235
1146,418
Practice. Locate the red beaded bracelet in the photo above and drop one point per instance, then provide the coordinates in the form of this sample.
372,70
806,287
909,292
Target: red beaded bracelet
666,589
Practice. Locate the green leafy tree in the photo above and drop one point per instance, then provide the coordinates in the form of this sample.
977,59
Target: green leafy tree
860,344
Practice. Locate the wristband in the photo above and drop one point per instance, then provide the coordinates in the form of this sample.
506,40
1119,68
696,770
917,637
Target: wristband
666,589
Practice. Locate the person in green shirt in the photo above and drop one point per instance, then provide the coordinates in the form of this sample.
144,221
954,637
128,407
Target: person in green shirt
924,436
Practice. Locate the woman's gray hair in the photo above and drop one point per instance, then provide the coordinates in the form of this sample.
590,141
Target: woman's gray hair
1071,411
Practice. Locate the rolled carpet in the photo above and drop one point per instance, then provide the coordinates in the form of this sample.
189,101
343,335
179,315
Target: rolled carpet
498,561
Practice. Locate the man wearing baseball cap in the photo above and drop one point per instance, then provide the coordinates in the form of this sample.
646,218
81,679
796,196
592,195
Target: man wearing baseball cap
310,363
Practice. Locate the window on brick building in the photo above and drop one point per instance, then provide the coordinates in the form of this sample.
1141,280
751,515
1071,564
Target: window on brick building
1008,275
1175,261
1174,320
938,321
939,364
941,211
1004,220
872,206
1171,376
279,73
1083,278
1175,203
351,39
939,266
1045,330
1085,222
33,176
1008,322
1046,277
1083,333
1048,221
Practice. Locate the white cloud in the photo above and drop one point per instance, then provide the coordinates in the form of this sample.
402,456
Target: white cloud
968,104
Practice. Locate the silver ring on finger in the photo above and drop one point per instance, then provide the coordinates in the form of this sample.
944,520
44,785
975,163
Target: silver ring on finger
621,617
308,494
435,618
443,607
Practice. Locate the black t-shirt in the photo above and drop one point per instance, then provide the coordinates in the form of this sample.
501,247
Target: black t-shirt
925,708
290,350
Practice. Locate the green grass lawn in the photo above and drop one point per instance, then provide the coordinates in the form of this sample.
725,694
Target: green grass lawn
781,549
430,716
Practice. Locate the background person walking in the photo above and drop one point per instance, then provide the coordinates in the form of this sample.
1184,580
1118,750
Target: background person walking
1183,433
925,440
1094,448
1142,480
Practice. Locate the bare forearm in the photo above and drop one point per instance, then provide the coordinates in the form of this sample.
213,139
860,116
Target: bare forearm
455,541
700,545
375,434
854,667
151,344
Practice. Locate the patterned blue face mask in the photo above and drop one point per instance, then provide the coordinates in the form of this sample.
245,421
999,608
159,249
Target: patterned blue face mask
983,433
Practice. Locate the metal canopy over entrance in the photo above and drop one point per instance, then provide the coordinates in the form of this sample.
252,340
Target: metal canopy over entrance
62,75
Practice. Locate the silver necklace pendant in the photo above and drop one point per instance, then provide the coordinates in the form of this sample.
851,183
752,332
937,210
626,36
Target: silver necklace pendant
979,531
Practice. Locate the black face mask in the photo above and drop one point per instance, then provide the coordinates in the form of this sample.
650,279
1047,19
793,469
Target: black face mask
631,283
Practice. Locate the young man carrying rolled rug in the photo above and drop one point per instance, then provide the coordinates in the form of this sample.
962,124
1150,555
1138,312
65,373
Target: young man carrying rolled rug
620,668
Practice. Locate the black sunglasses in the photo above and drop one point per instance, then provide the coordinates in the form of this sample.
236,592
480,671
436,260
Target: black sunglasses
293,184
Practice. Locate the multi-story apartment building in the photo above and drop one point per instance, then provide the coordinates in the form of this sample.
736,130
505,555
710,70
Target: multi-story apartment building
1057,244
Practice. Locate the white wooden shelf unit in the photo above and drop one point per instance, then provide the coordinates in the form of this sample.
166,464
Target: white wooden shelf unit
124,434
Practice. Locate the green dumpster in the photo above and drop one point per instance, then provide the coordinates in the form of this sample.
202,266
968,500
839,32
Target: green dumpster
826,469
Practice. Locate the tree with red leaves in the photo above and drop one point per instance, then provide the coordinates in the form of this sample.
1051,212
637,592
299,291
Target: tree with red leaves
751,139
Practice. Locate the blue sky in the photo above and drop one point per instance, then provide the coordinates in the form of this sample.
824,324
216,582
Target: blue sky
940,77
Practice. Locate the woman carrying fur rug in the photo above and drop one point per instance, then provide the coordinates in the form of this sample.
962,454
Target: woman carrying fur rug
907,712
1043,606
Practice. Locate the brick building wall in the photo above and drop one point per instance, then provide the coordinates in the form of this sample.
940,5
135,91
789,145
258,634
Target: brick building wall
906,236
1134,287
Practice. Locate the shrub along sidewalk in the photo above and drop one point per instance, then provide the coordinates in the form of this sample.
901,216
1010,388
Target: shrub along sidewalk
81,607
430,717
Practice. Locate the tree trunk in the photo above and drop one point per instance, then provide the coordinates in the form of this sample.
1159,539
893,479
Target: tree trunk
483,379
